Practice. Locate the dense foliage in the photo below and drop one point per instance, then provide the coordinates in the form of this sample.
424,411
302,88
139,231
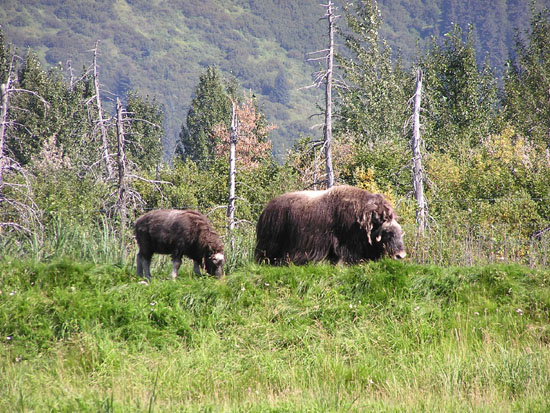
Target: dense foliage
210,107
485,150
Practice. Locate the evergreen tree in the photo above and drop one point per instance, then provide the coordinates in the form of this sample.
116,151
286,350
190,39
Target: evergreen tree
460,100
372,107
5,58
145,130
210,106
527,82
28,135
54,112
281,90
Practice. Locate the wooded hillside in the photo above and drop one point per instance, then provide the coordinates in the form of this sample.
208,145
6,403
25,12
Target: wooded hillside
160,48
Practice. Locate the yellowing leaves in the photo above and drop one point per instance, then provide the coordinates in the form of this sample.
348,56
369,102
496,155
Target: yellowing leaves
508,148
364,179
252,148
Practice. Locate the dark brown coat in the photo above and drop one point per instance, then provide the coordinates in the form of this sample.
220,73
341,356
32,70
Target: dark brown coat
342,224
178,233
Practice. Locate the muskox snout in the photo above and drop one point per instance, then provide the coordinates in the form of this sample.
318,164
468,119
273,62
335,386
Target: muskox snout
400,255
214,265
391,238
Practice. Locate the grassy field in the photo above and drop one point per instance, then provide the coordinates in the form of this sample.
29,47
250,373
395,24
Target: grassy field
385,336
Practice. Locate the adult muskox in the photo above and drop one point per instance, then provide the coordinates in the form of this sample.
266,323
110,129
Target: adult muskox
178,233
341,224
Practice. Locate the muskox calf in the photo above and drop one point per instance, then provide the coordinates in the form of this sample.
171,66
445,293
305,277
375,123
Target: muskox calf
178,233
341,224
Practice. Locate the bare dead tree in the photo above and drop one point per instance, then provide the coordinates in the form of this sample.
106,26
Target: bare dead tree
19,211
326,77
3,123
126,197
232,169
121,165
418,182
102,127
328,98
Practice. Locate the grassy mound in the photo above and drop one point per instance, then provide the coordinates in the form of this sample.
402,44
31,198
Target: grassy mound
384,336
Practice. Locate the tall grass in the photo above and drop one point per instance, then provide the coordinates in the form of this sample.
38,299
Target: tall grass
384,336
101,242
462,244
451,244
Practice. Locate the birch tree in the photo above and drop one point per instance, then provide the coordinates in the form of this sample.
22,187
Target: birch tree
121,165
232,169
247,143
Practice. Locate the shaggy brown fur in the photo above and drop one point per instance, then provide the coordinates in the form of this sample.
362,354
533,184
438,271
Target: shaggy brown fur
178,233
342,224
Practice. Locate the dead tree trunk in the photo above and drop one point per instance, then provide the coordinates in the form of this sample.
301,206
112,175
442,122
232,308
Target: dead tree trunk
104,137
18,211
3,121
232,169
418,184
328,97
326,77
121,165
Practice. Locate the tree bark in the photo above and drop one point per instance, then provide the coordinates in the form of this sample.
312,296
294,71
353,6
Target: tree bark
418,184
4,88
328,98
121,164
232,169
104,137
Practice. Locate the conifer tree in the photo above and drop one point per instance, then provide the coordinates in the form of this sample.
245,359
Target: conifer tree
210,107
527,82
5,58
460,97
145,131
281,89
372,107
63,123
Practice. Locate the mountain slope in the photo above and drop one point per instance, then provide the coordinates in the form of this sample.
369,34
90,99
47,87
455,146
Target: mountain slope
160,48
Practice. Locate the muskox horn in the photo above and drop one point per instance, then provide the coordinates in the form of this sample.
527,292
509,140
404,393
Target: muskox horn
378,233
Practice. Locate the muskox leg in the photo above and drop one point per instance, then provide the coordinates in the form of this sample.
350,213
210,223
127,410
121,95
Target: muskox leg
143,265
139,265
176,263
196,267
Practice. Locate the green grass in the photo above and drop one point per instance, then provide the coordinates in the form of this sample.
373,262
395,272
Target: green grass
385,336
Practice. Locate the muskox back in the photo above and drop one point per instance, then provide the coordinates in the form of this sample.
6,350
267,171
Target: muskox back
343,224
178,233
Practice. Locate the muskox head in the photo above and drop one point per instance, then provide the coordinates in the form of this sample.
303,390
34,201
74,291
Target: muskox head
214,264
390,237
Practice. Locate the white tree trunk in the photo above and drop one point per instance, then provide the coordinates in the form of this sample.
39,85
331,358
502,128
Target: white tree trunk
328,98
232,169
3,120
418,184
121,164
104,137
